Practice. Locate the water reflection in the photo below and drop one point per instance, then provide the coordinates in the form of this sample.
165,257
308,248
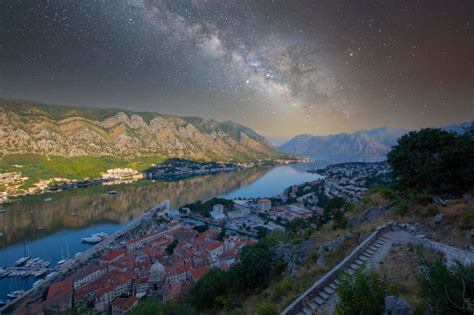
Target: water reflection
93,205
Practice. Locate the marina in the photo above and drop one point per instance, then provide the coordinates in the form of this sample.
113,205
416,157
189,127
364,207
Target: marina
26,267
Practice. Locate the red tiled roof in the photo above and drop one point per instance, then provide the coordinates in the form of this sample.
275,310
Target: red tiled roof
125,303
198,272
60,289
113,254
214,245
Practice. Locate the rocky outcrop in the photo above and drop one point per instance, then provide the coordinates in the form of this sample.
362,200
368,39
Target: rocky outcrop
292,255
368,215
397,306
33,128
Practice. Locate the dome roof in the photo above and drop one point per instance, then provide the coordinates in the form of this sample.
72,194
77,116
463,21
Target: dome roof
157,270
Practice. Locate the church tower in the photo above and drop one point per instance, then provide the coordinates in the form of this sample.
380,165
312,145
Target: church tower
156,282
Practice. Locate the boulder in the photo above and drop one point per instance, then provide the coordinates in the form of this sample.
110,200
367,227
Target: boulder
397,306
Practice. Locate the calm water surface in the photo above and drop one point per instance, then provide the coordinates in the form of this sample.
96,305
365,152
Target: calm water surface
99,212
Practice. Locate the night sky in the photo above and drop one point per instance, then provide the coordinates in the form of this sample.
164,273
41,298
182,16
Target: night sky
280,67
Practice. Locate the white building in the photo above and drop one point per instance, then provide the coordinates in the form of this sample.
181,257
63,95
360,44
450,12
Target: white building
218,208
264,204
217,213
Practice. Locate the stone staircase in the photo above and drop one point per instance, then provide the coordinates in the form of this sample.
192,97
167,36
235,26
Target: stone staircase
321,297
323,292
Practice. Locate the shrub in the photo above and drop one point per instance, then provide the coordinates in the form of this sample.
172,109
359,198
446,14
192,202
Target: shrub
266,308
468,221
362,293
447,291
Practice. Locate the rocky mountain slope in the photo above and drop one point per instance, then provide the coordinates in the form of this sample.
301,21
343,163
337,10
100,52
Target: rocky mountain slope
34,128
373,143
363,143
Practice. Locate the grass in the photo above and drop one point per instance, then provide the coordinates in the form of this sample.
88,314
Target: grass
38,167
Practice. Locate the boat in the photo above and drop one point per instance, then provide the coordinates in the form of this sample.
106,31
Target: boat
52,274
2,210
73,213
48,199
22,260
15,294
1,234
95,238
112,192
62,261
40,272
36,283
40,228
2,303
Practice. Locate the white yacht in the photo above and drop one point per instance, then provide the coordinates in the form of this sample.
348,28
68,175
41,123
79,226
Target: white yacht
22,260
95,238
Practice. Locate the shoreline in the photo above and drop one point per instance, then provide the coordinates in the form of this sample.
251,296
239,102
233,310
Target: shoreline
75,184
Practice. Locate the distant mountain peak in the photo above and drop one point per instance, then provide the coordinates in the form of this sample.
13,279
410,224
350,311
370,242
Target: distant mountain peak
363,143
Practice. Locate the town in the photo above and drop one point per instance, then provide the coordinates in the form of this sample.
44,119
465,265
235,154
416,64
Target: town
163,254
351,180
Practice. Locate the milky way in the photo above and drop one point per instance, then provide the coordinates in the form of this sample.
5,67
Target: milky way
280,67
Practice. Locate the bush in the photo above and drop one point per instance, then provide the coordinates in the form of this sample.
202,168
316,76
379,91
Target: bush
468,221
447,291
150,307
209,290
363,293
266,308
433,160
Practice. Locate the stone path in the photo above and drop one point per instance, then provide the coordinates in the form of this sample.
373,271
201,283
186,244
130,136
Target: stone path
322,298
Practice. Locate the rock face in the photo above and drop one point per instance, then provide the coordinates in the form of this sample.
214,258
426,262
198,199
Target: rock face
363,143
397,306
373,144
27,127
292,255
368,215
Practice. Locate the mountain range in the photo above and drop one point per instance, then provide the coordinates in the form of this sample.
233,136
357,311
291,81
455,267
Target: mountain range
53,130
372,144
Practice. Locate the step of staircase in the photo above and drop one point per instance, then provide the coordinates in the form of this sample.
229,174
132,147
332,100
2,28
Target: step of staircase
312,305
329,290
359,262
319,300
324,295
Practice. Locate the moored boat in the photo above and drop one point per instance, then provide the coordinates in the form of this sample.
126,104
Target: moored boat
22,260
15,294
95,238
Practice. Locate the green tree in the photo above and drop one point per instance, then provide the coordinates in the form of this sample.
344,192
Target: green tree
433,160
256,263
362,293
208,291
447,291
